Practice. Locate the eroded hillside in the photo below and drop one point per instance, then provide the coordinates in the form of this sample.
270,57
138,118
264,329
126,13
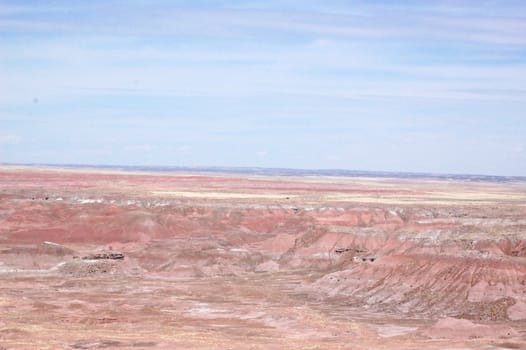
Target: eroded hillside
102,260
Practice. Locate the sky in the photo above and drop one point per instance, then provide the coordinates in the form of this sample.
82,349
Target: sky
409,85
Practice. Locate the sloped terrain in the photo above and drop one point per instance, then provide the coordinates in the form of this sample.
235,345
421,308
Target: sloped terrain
134,260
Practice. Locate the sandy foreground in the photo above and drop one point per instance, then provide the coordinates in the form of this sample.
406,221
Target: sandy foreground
120,260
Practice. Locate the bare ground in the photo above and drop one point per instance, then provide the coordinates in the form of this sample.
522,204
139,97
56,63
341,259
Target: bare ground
93,260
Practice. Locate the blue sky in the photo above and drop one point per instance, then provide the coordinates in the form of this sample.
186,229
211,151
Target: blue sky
422,86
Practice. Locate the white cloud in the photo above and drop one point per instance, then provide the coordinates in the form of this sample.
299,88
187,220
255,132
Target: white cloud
183,149
141,148
8,139
333,157
519,150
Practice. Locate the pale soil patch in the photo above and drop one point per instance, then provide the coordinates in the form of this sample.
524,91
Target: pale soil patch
439,198
221,195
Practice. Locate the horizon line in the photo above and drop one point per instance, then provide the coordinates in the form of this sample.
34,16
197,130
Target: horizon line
278,171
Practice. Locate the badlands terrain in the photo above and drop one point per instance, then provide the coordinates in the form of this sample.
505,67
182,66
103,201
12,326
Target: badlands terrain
94,259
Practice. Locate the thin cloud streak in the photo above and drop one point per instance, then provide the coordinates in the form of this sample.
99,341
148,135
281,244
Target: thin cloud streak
380,23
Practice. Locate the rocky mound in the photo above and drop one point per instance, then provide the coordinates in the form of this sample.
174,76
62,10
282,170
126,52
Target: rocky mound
104,256
86,268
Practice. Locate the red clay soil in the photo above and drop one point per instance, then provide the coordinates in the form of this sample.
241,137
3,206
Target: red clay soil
92,259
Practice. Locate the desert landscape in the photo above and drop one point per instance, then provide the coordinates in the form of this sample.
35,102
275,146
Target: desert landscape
102,259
